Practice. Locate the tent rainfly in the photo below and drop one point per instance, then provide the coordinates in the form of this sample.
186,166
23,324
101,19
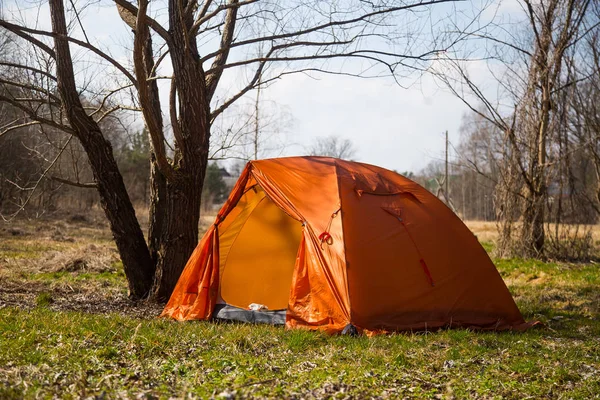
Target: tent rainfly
322,243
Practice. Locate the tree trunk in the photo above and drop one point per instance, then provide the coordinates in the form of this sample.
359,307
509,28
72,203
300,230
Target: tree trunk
532,230
121,215
113,194
179,233
157,210
190,120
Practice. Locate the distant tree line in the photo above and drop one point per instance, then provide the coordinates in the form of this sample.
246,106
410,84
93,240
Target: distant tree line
67,187
42,174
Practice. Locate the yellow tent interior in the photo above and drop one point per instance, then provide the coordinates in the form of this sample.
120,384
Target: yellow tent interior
258,245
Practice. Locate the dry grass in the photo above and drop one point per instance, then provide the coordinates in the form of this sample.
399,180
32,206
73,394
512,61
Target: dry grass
72,263
486,231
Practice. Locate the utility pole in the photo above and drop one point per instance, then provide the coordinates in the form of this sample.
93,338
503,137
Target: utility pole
256,121
446,193
257,108
443,183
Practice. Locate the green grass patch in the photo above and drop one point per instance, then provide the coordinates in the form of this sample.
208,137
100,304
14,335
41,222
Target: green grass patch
44,299
108,277
70,354
488,246
28,249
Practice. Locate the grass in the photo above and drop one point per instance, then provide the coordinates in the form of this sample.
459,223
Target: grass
487,231
44,299
71,334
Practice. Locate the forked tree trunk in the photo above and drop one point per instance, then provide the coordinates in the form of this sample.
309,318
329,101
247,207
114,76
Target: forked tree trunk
113,194
179,213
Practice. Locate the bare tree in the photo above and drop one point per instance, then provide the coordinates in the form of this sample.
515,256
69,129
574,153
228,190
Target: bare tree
195,45
332,146
251,130
583,107
529,67
36,160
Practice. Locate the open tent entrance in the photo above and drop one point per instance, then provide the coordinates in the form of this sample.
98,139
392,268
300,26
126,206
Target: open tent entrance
258,245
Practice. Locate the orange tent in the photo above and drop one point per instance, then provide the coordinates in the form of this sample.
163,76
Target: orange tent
322,243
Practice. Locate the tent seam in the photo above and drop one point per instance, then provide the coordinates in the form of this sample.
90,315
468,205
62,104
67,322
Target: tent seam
302,220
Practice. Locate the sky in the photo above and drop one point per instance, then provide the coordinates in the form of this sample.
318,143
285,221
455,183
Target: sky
394,127
400,128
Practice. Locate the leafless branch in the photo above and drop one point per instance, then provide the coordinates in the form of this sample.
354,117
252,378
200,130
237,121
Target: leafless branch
20,30
213,76
156,27
41,177
90,185
105,99
108,112
331,24
28,68
35,117
31,87
7,129
232,6
152,122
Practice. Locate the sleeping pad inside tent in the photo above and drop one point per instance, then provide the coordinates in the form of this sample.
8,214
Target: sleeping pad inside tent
322,243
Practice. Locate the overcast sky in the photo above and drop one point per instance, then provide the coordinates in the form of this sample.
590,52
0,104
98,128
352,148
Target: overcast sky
394,127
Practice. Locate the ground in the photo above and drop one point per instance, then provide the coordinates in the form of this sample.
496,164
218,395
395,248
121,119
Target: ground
67,330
